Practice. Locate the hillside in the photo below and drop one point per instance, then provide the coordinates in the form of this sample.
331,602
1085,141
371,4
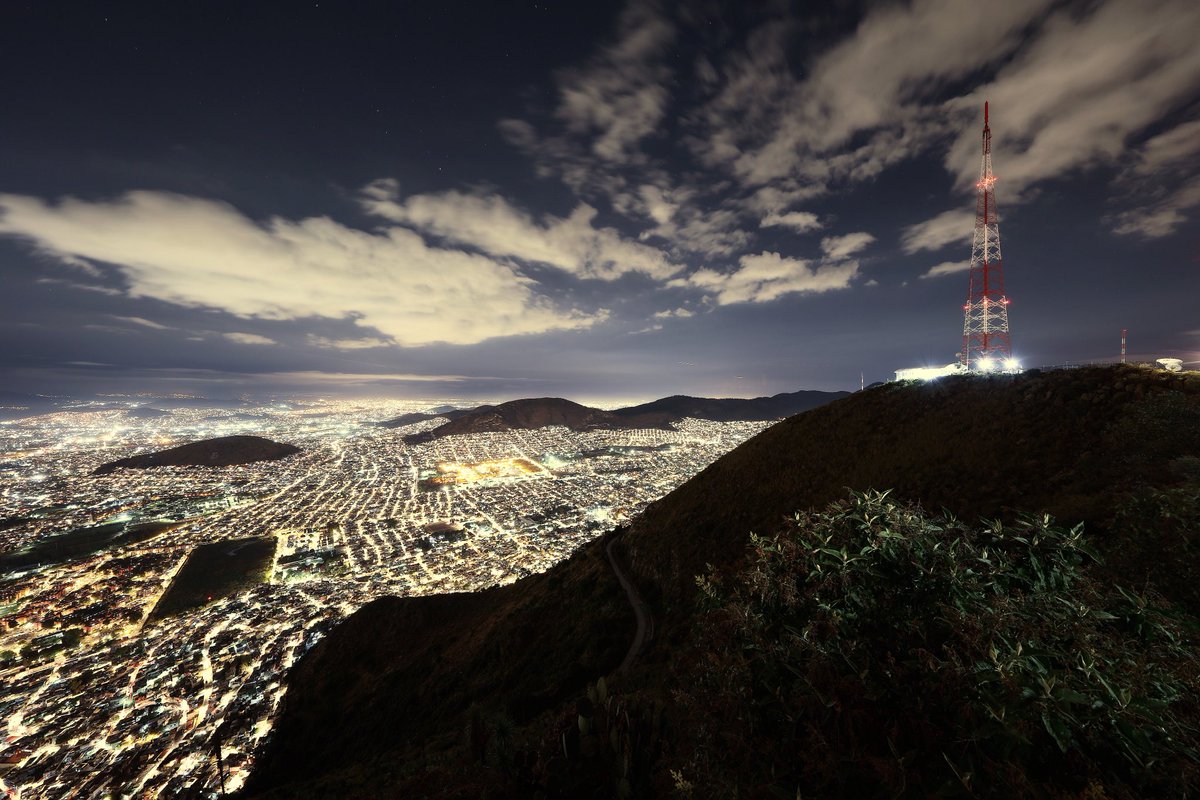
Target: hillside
1066,442
545,411
474,695
404,675
224,451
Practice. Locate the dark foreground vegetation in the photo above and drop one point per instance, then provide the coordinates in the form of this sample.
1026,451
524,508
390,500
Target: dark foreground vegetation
1016,617
898,651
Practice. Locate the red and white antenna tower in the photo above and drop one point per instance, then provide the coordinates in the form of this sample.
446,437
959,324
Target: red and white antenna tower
986,345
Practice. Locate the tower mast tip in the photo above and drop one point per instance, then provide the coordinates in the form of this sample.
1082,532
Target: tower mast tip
985,113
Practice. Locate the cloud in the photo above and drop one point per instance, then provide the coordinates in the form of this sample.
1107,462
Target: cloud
647,329
84,287
757,84
143,322
1076,94
344,378
518,133
1154,178
710,233
347,344
946,268
493,225
607,108
678,312
681,221
799,221
1162,218
950,227
619,97
766,125
768,276
778,197
1071,86
1177,147
248,338
205,254
838,248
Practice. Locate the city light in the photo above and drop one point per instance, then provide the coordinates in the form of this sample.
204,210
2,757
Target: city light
928,373
357,514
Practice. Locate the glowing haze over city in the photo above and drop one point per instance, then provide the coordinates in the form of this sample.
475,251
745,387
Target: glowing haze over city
297,221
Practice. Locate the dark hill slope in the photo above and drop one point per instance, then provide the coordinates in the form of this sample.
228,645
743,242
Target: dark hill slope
396,682
1066,442
221,452
382,706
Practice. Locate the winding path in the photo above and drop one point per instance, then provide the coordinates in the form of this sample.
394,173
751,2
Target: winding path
645,620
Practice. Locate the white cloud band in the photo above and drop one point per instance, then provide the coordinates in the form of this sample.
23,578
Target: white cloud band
202,253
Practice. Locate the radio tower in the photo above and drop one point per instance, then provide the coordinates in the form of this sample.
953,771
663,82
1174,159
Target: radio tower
985,346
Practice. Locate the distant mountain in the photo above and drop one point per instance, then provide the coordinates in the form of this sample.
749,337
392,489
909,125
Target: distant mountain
420,416
545,411
533,413
732,409
221,452
497,693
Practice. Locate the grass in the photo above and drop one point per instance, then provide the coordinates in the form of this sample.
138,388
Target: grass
905,652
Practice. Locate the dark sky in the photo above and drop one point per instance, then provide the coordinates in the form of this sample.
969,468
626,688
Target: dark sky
589,199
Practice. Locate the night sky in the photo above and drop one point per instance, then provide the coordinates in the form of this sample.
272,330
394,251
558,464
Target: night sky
584,199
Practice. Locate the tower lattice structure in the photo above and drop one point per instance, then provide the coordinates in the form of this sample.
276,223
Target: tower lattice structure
986,345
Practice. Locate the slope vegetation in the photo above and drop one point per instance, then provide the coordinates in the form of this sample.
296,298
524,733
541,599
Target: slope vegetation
502,693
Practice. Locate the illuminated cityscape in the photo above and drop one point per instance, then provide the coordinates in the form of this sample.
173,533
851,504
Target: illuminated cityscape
104,690
298,239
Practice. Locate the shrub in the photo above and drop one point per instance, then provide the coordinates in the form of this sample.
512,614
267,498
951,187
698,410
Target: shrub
872,649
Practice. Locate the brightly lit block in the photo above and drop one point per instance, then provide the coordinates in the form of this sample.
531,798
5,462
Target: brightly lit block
927,373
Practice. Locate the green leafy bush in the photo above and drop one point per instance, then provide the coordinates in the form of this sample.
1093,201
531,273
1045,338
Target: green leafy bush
872,649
